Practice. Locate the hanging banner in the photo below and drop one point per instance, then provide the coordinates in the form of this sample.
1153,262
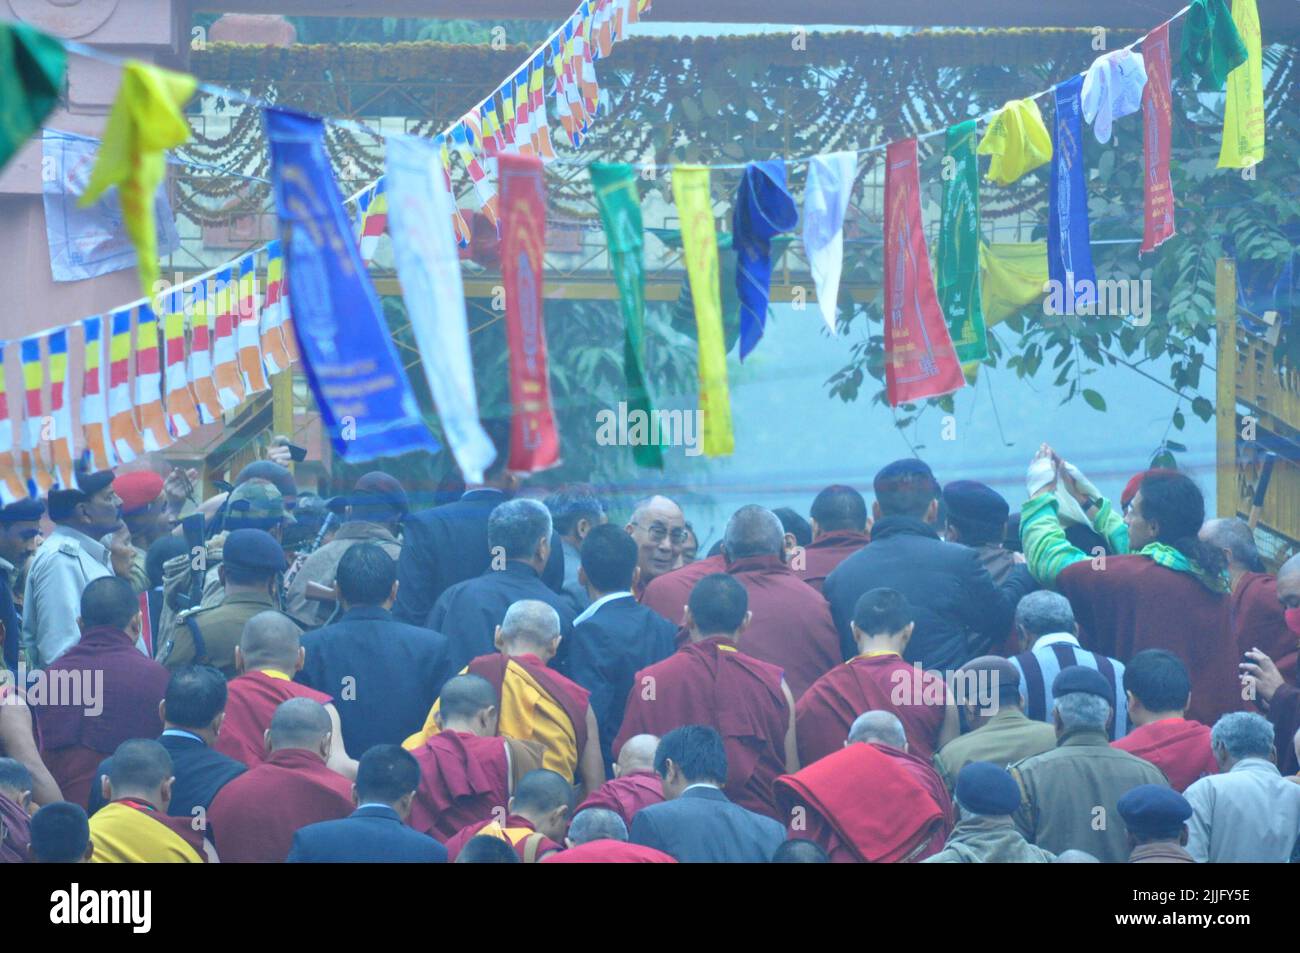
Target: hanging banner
1243,112
534,441
182,411
347,350
825,203
247,331
11,486
764,208
223,307
94,397
523,123
373,206
127,442
1017,140
694,204
1157,134
919,358
959,243
1212,47
148,381
36,429
1069,253
1012,275
32,68
198,367
614,186
428,264
541,130
59,451
464,138
275,353
1112,89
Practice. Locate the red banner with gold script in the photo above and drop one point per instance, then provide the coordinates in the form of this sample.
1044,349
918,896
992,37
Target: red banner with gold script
1157,123
534,442
919,357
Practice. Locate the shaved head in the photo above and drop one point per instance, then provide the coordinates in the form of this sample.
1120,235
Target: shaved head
637,754
140,766
270,640
542,791
299,723
882,727
464,696
753,531
1288,583
530,623
1235,535
596,823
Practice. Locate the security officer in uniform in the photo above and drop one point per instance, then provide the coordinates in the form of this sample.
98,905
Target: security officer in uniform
252,565
20,525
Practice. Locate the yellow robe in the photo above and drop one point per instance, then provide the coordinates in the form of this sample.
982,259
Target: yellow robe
125,835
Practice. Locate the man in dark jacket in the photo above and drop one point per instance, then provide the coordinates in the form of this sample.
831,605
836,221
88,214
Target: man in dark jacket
960,613
519,536
382,674
376,832
20,525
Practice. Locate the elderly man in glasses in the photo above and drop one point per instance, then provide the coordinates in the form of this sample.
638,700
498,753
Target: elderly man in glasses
659,529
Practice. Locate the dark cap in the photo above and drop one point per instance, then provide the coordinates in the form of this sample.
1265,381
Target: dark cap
1080,678
22,511
985,788
254,549
63,501
1154,809
974,502
377,489
272,471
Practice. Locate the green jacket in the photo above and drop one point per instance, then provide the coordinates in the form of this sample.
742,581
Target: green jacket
978,839
1007,737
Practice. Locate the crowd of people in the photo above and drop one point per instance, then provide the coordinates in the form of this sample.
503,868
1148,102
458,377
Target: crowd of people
265,676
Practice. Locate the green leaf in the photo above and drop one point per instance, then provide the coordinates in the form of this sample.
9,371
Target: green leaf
1094,399
1202,408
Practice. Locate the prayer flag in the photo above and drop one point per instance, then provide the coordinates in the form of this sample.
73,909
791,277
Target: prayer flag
1069,253
1243,112
825,203
541,131
201,308
182,410
223,311
1112,88
374,219
959,239
11,486
1017,140
464,136
36,423
764,208
1212,47
275,314
32,69
1157,133
60,439
148,381
94,396
247,330
122,430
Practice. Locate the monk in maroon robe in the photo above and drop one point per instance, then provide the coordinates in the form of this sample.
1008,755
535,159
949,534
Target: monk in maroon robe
599,836
1157,686
254,817
467,772
711,682
1264,683
267,657
877,680
634,785
534,821
658,527
99,693
839,526
1258,616
668,594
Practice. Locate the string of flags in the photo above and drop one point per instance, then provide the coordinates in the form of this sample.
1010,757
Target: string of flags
204,348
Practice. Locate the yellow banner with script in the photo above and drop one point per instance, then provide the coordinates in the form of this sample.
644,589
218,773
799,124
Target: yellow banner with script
1243,113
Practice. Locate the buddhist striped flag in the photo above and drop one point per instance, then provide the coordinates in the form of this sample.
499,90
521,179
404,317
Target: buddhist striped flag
567,106
457,221
374,220
122,430
225,357
523,117
94,397
182,409
541,132
198,366
275,354
247,331
602,28
464,135
508,116
148,381
36,423
11,487
60,450
491,126
585,67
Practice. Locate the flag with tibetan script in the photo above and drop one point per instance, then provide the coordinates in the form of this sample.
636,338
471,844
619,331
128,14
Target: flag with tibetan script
275,314
1157,131
1243,111
539,129
920,360
764,208
32,69
347,350
182,410
700,247
223,312
247,330
826,202
122,429
374,220
59,451
148,381
1069,249
198,366
959,241
428,265
534,440
36,424
464,136
94,396
11,485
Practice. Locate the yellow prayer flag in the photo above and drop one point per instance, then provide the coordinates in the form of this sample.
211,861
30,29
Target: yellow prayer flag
1243,113
1017,140
145,121
700,247
1012,275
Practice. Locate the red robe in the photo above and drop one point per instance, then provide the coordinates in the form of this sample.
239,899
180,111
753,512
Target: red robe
868,803
568,694
825,713
1178,747
1136,604
791,627
607,851
626,795
826,552
254,817
251,701
712,683
1259,621
463,778
182,827
515,824
669,593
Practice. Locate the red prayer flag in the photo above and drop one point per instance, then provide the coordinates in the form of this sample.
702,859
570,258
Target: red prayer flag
919,357
1157,122
534,442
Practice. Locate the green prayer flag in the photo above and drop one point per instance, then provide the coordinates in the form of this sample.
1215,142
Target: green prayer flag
614,185
32,67
959,242
1212,46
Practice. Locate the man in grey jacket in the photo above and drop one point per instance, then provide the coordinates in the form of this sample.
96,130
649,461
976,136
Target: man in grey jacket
988,796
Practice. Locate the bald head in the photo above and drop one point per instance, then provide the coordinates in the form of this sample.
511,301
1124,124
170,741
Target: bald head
753,531
879,727
141,768
300,723
465,702
1235,538
637,754
544,798
532,626
270,640
1288,583
596,823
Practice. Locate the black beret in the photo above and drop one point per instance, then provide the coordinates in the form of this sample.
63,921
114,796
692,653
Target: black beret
254,549
1080,678
22,511
1154,809
976,503
985,788
92,483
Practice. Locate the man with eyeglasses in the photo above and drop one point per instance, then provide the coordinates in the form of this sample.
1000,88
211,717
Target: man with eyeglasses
659,528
